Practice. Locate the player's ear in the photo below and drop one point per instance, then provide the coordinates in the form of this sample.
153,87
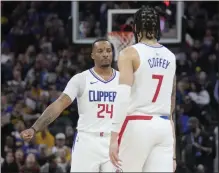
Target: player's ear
92,55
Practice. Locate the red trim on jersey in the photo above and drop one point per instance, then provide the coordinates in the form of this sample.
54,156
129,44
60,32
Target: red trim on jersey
129,118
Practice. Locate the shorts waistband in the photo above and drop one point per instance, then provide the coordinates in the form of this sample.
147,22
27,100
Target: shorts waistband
146,117
165,117
137,117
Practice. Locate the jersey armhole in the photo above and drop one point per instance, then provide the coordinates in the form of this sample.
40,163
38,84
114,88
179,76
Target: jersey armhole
137,71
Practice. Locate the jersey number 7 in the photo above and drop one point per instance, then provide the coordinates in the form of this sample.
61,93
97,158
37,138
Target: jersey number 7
104,109
160,80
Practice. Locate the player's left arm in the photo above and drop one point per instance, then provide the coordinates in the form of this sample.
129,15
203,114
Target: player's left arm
125,66
173,97
173,103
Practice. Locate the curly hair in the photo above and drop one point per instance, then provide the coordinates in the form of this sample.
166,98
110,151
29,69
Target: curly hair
147,22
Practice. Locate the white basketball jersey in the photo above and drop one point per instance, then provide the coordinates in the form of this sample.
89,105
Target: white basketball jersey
153,81
95,101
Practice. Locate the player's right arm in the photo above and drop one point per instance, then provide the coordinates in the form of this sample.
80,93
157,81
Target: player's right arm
126,78
53,111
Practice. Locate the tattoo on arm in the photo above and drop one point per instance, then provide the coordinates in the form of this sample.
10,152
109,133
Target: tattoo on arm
173,97
51,113
48,116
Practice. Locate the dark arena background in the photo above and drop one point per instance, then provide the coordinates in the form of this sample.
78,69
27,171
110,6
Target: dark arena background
43,44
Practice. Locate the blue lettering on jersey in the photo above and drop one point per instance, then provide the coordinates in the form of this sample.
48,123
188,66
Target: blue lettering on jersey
102,96
158,62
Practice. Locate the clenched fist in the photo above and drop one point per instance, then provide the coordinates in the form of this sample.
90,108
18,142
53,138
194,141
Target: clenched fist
28,134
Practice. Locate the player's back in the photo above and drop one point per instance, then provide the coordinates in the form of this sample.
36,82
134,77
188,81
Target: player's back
153,81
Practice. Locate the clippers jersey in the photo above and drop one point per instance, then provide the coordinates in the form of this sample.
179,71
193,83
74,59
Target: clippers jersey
95,100
153,81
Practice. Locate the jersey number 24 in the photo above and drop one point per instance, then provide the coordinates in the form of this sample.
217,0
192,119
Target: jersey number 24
104,109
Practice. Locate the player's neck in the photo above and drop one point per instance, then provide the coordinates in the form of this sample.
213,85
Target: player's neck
103,71
149,42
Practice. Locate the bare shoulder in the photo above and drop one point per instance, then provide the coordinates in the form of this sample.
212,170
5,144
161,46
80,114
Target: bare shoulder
129,56
128,53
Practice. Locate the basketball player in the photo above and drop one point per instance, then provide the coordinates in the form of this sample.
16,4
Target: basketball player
95,93
145,140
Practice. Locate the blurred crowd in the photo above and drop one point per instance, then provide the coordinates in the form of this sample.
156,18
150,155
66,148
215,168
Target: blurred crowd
198,89
93,17
37,61
38,58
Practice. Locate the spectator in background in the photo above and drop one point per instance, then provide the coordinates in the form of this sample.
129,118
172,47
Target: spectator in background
7,62
60,146
182,118
19,157
30,165
44,152
31,148
199,95
17,117
9,165
190,108
216,90
61,159
216,157
51,166
69,131
16,85
19,126
6,107
45,137
9,145
198,147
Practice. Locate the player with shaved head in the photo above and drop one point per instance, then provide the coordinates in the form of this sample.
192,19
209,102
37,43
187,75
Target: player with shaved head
95,93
